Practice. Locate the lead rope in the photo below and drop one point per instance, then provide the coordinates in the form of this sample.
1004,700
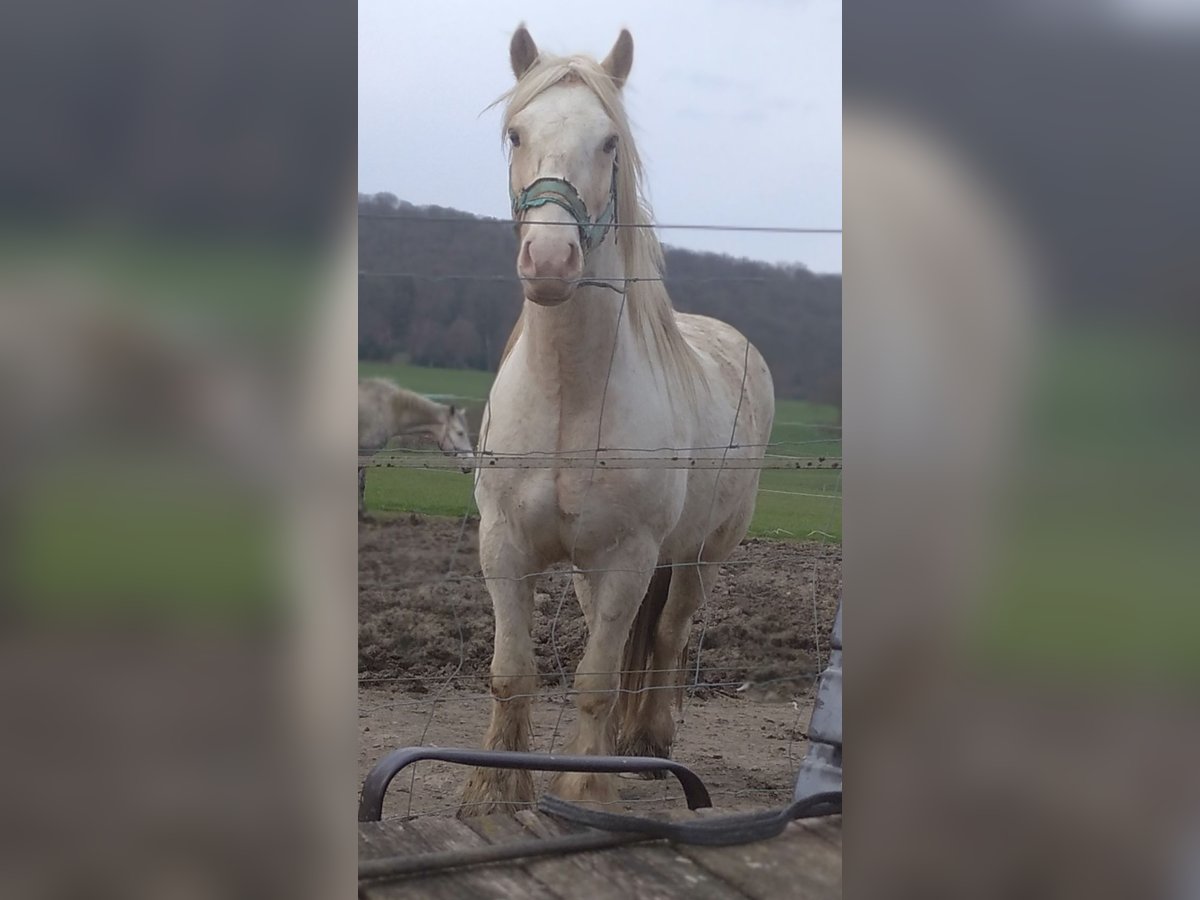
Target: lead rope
603,284
715,832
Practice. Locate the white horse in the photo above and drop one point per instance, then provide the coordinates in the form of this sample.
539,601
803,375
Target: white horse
386,410
598,362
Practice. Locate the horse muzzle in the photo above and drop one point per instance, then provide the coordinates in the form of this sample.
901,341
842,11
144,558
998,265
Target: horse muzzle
550,291
550,264
552,254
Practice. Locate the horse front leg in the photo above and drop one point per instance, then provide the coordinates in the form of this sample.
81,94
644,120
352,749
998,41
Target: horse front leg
614,599
583,593
513,681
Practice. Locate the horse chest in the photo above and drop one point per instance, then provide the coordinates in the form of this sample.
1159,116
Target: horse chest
559,509
535,498
561,512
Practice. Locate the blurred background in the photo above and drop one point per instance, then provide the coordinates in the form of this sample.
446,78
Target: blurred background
176,280
1020,424
1020,414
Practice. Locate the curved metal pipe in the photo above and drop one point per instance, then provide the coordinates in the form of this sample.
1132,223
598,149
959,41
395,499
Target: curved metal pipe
370,805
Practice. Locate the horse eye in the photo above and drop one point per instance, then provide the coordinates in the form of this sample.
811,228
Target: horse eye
514,138
611,144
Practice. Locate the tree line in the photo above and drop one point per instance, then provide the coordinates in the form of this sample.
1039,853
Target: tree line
415,304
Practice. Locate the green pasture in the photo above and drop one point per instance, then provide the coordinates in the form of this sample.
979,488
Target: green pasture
1095,574
103,539
792,505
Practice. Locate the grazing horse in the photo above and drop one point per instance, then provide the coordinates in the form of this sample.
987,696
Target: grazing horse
599,366
386,410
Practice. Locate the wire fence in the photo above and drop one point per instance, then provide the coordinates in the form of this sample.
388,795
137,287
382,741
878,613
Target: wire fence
737,695
614,279
657,226
524,461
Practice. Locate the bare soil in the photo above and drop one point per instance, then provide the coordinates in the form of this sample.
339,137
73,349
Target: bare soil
425,644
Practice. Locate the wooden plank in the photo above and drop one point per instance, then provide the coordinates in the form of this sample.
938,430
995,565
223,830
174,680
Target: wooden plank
655,871
804,862
828,828
365,848
500,828
571,875
798,864
544,826
382,839
387,838
437,833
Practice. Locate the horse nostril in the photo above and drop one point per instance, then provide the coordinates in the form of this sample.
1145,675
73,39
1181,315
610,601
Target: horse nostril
525,260
572,256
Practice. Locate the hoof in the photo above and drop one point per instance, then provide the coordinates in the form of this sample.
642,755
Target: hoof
490,791
586,788
640,745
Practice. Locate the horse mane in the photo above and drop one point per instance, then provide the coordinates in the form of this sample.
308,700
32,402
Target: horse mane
648,304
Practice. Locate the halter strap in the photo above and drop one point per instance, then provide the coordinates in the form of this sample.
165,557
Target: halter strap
562,193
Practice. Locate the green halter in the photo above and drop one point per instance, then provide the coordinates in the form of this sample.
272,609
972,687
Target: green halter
562,193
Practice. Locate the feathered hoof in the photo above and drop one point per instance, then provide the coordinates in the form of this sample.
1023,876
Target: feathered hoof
586,788
490,791
643,745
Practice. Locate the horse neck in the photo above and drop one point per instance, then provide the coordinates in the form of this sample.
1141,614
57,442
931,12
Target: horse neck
412,412
571,345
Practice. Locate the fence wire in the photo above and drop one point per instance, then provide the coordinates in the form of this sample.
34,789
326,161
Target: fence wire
569,693
555,687
559,691
617,279
759,229
483,461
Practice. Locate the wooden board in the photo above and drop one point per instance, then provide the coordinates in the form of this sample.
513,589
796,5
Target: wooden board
798,863
802,863
646,870
438,833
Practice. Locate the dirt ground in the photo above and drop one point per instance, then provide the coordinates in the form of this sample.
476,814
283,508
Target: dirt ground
425,644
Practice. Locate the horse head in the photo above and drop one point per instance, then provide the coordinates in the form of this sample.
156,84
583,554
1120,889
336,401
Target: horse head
454,437
563,128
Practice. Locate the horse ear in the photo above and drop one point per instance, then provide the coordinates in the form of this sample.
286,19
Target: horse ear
522,51
452,410
620,59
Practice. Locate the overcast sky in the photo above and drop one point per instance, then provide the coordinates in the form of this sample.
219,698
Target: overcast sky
736,109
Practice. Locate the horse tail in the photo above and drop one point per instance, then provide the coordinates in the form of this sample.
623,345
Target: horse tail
639,648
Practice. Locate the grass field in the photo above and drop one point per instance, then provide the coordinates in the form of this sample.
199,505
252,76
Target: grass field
792,505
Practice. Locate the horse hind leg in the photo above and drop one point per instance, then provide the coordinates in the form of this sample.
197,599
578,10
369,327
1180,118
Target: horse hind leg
639,651
614,593
648,727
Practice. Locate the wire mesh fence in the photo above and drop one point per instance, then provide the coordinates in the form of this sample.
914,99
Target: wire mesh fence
756,645
655,226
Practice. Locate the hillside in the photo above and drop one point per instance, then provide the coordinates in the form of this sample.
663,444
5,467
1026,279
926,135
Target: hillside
421,298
